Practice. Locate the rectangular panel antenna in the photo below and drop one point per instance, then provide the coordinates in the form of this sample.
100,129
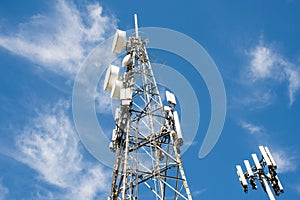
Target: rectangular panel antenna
271,157
125,96
248,167
114,135
265,156
256,162
242,177
178,129
117,114
170,98
279,185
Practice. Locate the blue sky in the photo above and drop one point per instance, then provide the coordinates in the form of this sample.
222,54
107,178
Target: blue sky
255,45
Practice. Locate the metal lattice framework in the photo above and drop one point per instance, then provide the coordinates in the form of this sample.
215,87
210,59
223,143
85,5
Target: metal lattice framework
147,136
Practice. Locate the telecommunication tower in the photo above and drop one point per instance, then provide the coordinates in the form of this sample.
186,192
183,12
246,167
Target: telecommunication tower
257,172
147,136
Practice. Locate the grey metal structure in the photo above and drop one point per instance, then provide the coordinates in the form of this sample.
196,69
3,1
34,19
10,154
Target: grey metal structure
147,136
257,172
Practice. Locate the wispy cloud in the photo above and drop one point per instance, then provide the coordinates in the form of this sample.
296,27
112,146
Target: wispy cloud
50,146
262,62
285,161
293,77
268,69
252,128
102,101
199,192
61,39
3,191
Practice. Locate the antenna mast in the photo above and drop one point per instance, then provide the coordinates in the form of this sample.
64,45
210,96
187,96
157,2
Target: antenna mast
147,136
257,172
136,26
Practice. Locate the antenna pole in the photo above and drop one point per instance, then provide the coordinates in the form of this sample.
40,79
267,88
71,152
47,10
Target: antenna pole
136,26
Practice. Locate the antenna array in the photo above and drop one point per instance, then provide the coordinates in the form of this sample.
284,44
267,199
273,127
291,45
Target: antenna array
257,173
147,136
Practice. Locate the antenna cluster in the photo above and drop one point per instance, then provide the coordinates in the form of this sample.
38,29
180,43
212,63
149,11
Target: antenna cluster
147,136
264,171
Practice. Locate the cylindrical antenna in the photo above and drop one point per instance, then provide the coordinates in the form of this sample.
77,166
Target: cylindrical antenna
136,26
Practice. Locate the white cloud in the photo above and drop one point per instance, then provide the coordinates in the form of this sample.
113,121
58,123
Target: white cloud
293,77
269,69
50,146
257,97
252,128
60,40
285,162
3,191
262,62
199,192
102,101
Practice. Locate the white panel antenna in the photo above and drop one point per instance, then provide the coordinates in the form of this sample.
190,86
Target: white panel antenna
178,128
170,98
111,147
117,114
167,108
115,92
256,162
125,96
119,41
114,135
265,156
112,74
271,157
112,144
279,185
248,167
127,60
242,177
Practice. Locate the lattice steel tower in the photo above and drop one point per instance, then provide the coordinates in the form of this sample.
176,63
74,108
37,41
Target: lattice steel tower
147,136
